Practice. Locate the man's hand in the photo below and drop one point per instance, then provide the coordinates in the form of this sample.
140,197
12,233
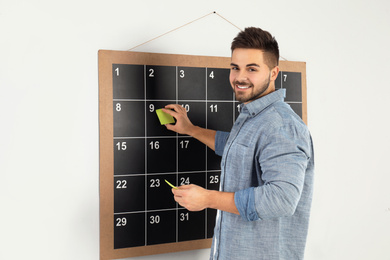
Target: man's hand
195,198
192,197
183,124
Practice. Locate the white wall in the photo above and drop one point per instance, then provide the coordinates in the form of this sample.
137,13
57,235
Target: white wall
49,112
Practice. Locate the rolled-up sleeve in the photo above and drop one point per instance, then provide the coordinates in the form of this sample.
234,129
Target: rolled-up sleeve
245,203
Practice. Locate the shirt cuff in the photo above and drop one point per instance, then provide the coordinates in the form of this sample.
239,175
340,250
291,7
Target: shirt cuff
245,203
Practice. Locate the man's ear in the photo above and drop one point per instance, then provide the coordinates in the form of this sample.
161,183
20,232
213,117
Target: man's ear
274,73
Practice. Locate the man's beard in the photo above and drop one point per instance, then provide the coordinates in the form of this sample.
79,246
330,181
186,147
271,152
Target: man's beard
255,94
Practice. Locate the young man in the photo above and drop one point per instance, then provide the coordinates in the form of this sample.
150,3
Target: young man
267,162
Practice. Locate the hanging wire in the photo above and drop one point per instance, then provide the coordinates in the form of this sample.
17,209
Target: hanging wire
228,21
184,26
189,24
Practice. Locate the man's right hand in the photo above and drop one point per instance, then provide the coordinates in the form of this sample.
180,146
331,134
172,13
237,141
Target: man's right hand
183,124
185,127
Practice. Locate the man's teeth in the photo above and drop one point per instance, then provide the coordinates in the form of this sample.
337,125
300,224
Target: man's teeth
242,87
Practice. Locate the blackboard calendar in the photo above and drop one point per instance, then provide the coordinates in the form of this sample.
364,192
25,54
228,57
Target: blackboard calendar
146,153
137,154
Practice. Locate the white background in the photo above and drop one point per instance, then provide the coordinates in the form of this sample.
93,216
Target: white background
49,189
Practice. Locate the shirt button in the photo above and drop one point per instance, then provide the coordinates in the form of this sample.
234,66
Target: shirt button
253,114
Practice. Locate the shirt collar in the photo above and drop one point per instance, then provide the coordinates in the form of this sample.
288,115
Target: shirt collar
260,104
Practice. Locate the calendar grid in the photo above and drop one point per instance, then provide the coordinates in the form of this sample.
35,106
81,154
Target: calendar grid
207,96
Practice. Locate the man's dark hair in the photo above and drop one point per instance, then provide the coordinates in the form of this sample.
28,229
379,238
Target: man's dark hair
256,38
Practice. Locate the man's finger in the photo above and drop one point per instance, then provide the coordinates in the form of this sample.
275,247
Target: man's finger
185,187
175,107
169,112
177,192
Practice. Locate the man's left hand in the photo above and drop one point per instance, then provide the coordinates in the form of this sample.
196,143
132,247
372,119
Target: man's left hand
192,197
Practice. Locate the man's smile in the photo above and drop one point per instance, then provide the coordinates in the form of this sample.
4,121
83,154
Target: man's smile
243,86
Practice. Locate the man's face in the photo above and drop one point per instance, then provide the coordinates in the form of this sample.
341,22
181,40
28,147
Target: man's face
250,77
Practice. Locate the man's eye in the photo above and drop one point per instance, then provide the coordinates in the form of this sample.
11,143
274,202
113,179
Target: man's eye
234,68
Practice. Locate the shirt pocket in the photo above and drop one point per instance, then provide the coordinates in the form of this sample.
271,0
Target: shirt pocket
240,164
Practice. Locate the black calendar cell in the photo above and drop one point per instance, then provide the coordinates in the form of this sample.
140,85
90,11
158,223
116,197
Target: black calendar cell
153,126
237,108
129,194
159,194
161,155
291,81
191,155
129,230
211,217
218,85
213,160
161,82
128,81
297,107
129,118
191,225
196,112
191,83
198,178
129,156
278,81
220,115
213,180
161,227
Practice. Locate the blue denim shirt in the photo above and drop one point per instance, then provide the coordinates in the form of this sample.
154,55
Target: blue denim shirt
268,162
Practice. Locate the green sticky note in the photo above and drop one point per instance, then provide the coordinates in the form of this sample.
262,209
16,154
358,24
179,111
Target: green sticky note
164,117
170,184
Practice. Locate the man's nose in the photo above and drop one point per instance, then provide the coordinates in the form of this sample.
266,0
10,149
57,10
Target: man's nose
242,76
